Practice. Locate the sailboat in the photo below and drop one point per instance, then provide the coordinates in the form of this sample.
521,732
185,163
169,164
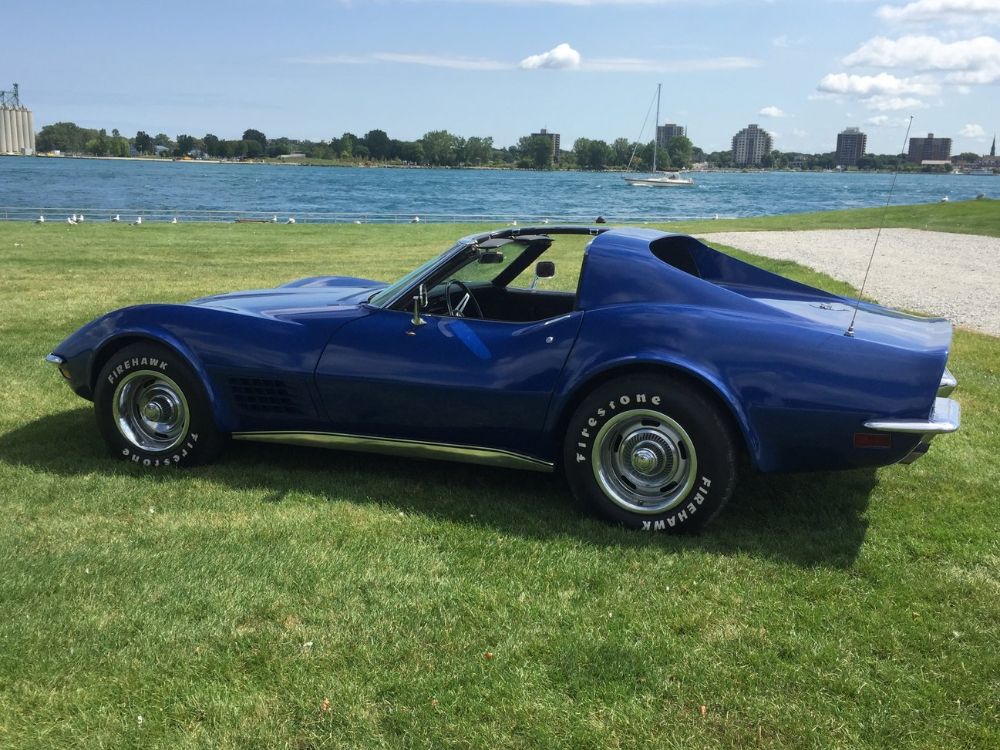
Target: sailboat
659,179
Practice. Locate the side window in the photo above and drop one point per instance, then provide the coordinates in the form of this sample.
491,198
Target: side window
567,253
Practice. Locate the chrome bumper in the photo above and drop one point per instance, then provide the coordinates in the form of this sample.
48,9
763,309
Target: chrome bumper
946,416
948,384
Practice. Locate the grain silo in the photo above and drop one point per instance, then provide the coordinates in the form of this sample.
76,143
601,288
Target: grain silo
17,125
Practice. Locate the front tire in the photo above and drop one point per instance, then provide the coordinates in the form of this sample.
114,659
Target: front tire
651,453
152,409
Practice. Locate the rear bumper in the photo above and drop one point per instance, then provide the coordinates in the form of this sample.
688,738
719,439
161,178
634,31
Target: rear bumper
945,417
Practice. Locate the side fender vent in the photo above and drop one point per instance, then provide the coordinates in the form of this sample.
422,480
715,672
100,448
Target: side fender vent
264,396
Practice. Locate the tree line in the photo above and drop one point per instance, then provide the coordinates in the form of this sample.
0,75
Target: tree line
435,148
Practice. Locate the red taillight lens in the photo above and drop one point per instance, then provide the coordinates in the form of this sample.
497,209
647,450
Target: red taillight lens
872,440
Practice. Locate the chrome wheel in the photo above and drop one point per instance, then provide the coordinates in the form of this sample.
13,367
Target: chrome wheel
150,411
644,461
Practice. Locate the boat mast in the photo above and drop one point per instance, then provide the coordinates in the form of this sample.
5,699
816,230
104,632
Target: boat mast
656,126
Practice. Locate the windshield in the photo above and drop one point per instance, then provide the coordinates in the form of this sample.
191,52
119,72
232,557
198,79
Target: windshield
385,296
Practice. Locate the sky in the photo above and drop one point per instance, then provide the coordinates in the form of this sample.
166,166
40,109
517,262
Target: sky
802,69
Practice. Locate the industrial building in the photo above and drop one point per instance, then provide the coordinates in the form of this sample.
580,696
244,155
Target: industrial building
851,144
17,125
751,145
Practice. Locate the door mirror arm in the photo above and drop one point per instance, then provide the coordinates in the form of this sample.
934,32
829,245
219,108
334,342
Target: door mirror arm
419,301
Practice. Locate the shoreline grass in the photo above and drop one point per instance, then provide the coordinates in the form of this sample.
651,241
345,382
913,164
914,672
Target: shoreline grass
286,597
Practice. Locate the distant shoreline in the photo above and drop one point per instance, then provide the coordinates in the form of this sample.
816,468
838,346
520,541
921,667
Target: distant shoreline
498,168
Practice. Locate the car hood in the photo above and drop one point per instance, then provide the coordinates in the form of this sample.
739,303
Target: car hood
310,294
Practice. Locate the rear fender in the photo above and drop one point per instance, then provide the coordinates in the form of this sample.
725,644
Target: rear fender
572,393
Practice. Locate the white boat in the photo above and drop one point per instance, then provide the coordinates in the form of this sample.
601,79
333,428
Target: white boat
663,179
658,179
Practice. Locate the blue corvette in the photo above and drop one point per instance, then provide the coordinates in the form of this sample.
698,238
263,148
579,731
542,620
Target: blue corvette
646,386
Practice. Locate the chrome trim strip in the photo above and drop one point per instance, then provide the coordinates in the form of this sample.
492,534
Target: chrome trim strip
55,359
945,417
948,384
401,447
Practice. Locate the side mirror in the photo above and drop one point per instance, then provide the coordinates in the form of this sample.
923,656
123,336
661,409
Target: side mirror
419,301
544,269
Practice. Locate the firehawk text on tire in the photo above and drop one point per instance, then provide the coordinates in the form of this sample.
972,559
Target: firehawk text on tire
152,410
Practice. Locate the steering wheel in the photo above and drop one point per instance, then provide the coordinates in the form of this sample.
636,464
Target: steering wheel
458,311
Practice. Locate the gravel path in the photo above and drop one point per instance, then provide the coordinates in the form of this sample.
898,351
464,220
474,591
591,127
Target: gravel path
956,276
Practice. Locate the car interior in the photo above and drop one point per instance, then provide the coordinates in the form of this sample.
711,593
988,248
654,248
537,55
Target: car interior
491,281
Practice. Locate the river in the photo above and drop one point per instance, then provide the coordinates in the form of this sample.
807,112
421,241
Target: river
210,191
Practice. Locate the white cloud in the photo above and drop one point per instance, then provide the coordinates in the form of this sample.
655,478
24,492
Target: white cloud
645,65
877,120
880,84
560,57
331,60
892,103
799,133
972,130
969,61
957,12
770,111
440,61
433,61
783,41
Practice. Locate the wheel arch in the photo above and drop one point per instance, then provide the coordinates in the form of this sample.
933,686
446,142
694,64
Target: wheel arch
112,345
736,418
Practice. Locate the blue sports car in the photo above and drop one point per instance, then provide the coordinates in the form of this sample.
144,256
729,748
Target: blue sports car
647,384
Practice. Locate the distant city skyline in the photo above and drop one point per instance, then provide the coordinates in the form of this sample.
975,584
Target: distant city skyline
582,68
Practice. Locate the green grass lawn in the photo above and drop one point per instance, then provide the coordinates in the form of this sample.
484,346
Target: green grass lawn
286,597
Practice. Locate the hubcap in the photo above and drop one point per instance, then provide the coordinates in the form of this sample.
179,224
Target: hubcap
150,411
644,461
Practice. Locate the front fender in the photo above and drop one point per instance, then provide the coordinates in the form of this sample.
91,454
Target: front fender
221,412
86,350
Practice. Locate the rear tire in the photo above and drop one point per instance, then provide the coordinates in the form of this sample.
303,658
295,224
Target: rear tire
152,409
650,453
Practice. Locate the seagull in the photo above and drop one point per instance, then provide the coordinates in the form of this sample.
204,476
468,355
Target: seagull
415,220
79,219
116,218
274,219
137,222
71,219
291,220
40,220
174,220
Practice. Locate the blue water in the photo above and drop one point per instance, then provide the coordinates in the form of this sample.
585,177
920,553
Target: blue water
196,190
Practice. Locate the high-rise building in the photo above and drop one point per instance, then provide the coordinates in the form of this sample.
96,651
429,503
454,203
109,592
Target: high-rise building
554,139
667,132
851,143
929,149
751,145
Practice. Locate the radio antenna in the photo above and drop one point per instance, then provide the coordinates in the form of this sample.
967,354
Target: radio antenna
885,209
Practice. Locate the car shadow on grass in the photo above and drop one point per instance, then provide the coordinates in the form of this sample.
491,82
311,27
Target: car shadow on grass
806,519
